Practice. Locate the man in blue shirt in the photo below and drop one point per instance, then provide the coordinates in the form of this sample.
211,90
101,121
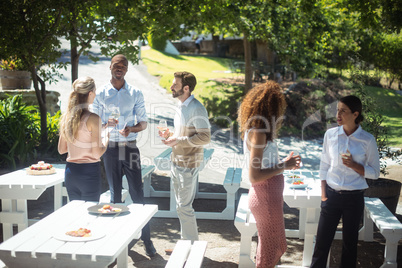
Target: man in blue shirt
121,106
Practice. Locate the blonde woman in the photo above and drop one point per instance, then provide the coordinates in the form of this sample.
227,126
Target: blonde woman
260,116
80,138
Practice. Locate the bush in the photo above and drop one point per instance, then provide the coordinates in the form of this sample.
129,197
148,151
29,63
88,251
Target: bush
20,134
157,41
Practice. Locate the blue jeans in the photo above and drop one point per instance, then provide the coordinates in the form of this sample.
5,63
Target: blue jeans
83,181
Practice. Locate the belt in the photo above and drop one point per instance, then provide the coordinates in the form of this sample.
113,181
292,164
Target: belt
122,144
345,191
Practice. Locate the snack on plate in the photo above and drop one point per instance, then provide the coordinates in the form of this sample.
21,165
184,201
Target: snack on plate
294,177
298,182
82,232
108,209
41,168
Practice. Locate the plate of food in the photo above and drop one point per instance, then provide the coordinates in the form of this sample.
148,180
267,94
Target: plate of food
294,177
298,184
108,209
78,235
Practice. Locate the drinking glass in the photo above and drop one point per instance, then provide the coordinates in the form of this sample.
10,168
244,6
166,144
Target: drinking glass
162,126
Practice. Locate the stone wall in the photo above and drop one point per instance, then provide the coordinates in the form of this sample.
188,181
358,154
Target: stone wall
29,97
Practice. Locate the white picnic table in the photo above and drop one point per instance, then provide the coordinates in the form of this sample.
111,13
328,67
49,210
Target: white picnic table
17,187
40,244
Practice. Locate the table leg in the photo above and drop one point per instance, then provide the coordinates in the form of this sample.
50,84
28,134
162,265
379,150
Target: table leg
172,198
58,196
22,207
310,232
122,259
7,207
302,222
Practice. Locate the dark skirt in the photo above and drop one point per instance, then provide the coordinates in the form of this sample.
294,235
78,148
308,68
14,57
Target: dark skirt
83,181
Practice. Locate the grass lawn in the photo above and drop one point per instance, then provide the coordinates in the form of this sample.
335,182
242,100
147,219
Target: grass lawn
204,68
221,99
391,108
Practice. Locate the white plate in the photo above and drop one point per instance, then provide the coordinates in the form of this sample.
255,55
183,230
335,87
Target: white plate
63,237
290,180
299,186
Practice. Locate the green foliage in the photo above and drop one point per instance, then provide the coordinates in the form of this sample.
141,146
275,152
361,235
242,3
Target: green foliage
223,104
157,41
19,133
20,127
374,124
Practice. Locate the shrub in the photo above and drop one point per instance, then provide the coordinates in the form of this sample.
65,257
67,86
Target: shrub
157,41
20,134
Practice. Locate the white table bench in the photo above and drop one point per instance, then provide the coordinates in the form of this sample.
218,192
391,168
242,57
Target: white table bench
146,173
231,184
187,255
17,187
375,211
37,247
163,161
389,226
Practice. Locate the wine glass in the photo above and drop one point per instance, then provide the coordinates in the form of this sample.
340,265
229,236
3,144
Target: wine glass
162,126
114,115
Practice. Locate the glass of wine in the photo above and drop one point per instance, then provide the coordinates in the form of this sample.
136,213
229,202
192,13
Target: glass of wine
114,116
162,126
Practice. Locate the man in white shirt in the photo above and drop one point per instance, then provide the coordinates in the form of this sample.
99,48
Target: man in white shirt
192,132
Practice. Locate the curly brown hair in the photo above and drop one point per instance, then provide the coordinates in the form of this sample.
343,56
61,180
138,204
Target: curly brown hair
263,108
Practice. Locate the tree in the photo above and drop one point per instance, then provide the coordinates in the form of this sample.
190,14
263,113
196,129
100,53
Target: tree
29,33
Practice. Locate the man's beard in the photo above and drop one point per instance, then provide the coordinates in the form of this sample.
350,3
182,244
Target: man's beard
178,93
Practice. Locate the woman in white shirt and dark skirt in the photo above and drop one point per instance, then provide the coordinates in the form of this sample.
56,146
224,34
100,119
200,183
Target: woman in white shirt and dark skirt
349,156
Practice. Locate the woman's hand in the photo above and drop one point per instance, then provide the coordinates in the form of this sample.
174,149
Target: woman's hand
292,162
347,160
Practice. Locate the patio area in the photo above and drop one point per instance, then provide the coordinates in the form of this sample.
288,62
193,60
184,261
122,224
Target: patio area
222,236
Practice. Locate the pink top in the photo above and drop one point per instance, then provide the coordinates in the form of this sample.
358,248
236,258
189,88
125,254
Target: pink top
81,150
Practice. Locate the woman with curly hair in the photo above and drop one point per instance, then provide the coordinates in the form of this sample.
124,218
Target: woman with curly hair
80,138
260,117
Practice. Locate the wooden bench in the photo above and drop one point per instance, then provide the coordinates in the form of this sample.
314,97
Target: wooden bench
231,184
146,172
163,162
187,255
389,226
245,224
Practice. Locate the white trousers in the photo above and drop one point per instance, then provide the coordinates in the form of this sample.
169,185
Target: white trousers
184,182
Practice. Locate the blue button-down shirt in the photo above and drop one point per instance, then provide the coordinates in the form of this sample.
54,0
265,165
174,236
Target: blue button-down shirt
130,102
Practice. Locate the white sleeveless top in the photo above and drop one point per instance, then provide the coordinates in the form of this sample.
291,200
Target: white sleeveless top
270,156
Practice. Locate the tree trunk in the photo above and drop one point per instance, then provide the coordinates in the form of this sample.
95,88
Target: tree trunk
75,60
248,67
41,97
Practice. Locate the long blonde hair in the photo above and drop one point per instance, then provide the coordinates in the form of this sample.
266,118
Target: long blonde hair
77,105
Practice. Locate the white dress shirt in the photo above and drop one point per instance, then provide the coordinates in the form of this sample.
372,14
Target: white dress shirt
130,102
363,148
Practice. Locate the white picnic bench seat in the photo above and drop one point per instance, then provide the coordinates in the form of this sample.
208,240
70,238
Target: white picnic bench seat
375,211
146,172
231,184
162,161
186,255
388,225
245,224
